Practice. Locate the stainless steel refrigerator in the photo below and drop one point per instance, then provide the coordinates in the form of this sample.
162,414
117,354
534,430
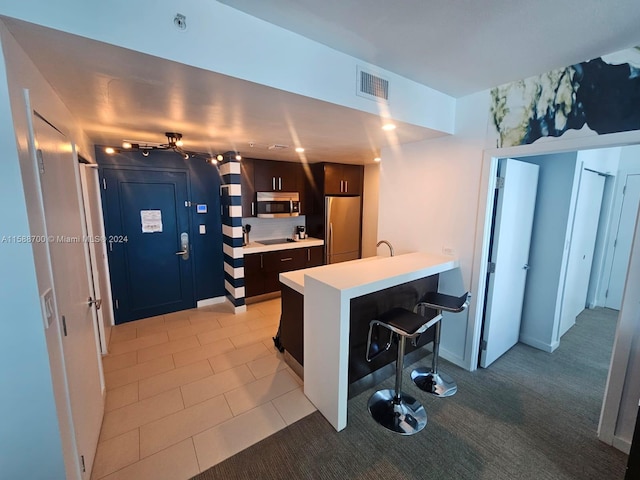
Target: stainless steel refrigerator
343,219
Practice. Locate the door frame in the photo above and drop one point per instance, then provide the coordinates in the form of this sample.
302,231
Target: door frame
620,355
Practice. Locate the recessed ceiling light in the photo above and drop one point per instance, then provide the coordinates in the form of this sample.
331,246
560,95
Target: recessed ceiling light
377,159
388,126
126,144
110,150
299,149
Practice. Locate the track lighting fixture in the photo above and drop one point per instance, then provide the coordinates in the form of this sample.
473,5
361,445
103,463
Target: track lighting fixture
175,143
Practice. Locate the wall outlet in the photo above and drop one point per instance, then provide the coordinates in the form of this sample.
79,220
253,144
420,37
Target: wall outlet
449,251
203,229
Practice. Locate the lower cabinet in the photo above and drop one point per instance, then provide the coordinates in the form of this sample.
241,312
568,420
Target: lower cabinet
261,270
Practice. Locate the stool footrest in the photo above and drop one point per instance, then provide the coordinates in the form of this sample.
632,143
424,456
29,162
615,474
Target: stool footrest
438,384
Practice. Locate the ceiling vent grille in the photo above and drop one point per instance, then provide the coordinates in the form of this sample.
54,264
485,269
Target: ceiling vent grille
372,86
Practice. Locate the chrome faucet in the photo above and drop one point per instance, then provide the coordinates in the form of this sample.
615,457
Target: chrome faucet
388,245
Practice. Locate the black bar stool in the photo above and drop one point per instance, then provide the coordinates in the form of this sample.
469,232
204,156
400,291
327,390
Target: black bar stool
394,410
431,380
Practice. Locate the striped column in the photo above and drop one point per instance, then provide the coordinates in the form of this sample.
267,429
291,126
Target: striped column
231,201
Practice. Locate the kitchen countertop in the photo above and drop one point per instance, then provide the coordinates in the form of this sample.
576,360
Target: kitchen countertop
257,247
295,278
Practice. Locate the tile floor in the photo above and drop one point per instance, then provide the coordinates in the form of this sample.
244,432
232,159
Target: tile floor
189,389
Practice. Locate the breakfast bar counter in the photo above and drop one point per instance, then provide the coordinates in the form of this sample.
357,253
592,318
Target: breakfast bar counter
328,291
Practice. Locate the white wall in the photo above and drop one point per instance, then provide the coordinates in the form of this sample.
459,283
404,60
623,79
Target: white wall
36,384
370,201
221,39
553,203
429,194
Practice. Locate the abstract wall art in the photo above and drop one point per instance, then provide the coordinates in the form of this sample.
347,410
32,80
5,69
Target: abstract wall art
601,96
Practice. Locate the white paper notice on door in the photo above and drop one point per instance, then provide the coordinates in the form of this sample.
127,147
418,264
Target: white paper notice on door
151,221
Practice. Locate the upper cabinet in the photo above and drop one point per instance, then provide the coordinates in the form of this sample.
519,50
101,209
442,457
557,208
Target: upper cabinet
273,176
340,179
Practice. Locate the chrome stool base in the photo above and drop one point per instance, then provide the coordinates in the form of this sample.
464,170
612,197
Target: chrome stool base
438,384
405,417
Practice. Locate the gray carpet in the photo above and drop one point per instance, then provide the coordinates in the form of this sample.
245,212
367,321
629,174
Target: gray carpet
531,415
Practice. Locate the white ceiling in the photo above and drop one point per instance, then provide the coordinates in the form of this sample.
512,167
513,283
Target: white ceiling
457,47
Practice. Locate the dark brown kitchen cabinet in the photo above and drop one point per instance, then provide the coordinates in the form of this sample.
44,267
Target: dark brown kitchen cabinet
262,270
273,176
315,256
248,188
341,179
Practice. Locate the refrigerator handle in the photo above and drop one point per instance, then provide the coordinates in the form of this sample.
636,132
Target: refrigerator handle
330,249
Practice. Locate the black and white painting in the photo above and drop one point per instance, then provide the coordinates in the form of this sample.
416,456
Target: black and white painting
601,96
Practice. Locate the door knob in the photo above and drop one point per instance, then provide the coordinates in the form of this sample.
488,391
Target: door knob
97,302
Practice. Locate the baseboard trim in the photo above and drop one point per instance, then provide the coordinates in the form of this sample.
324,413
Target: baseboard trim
621,444
535,343
210,301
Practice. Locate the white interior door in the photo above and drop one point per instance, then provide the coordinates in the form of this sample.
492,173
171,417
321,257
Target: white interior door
97,250
511,238
583,243
624,238
61,195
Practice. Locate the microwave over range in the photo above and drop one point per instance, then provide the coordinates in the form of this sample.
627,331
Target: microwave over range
277,204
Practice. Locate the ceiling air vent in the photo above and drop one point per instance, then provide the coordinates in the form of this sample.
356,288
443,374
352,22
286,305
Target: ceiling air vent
372,86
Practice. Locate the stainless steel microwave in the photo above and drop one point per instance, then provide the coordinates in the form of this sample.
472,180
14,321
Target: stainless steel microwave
277,204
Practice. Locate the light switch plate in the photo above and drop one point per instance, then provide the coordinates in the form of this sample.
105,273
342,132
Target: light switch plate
203,229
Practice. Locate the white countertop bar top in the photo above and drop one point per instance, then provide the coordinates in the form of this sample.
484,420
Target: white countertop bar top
257,247
295,278
328,291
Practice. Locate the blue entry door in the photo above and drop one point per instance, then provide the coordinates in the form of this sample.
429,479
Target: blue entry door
149,242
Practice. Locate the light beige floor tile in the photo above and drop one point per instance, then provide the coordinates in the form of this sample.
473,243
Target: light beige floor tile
240,318
293,406
267,365
203,316
115,362
158,435
263,322
215,385
228,438
121,333
123,376
179,315
138,343
223,332
254,336
148,322
270,306
193,329
121,396
237,357
268,342
174,378
261,391
150,353
132,416
295,375
163,327
177,462
202,353
116,453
